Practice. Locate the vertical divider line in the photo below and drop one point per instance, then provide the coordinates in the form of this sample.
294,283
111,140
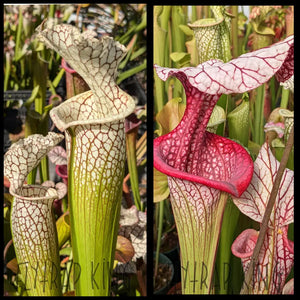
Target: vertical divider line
150,129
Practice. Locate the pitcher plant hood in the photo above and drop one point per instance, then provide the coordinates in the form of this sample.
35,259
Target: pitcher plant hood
24,155
189,151
96,60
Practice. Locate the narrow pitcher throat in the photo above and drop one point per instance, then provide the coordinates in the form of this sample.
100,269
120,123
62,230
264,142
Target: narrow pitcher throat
183,145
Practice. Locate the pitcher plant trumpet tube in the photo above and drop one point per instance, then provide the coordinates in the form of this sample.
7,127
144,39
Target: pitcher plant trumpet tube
276,256
203,167
93,123
32,219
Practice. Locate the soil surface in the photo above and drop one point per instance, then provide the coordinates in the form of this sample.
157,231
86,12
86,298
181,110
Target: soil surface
169,241
164,276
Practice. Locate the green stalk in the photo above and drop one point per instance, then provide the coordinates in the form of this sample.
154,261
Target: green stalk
138,52
51,10
94,202
258,122
223,263
160,207
132,71
238,123
40,74
284,98
164,17
131,136
194,14
44,170
58,78
234,32
178,42
161,15
248,32
272,92
31,127
7,71
19,34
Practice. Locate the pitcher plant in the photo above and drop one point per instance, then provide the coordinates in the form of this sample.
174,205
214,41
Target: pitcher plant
93,123
32,218
202,167
213,35
276,256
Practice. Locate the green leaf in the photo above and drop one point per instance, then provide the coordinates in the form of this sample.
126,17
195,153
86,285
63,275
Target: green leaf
160,186
186,30
63,229
217,117
137,53
238,122
171,114
181,59
34,94
132,71
65,251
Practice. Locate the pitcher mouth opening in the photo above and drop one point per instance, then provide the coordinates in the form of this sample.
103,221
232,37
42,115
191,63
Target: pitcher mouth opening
234,185
69,106
36,189
245,243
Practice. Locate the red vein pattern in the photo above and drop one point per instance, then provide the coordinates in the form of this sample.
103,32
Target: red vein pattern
275,259
277,254
189,152
198,212
24,155
96,61
200,164
95,139
254,200
32,221
35,240
242,74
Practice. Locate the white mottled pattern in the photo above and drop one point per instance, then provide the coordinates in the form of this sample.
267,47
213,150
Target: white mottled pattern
239,75
134,228
95,140
35,239
213,36
96,61
254,200
24,155
32,221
